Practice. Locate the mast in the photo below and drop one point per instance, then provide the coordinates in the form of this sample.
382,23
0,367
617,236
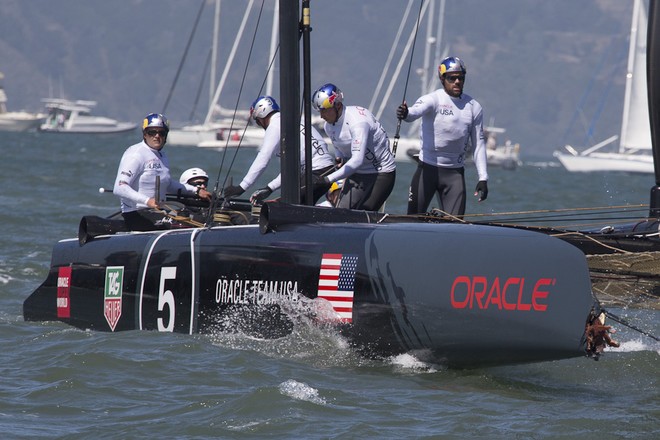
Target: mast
653,81
273,47
307,98
214,50
290,100
230,60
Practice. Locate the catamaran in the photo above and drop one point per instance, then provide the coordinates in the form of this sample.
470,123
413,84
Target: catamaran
453,293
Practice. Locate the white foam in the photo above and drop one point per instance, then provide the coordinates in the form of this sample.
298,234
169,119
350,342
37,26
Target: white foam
301,391
407,361
636,345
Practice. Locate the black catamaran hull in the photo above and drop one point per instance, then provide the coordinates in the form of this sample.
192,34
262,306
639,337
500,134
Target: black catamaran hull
462,295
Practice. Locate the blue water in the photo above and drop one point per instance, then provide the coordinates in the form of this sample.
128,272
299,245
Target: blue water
60,382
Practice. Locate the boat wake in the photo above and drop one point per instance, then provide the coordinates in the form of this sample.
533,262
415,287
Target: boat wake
303,331
636,345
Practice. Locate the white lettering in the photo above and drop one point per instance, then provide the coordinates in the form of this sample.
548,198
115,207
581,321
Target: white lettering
255,291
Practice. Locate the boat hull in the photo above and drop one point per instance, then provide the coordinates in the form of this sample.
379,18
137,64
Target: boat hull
607,162
460,295
91,128
19,121
216,135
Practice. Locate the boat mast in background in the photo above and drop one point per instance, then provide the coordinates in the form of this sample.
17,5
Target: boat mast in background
634,154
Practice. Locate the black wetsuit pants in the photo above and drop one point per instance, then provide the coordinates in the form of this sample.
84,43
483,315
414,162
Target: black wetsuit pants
366,191
448,183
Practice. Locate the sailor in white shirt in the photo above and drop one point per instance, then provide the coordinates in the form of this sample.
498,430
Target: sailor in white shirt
363,148
143,178
266,112
451,121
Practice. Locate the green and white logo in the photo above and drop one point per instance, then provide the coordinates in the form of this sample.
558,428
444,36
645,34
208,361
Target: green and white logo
114,282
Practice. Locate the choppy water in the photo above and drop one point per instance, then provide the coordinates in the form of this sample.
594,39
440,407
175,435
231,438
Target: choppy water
59,382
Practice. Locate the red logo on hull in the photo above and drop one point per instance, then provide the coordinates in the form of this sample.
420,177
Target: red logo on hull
508,294
63,292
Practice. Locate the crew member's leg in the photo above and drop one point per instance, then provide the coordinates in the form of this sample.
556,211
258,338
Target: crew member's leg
451,184
422,188
380,191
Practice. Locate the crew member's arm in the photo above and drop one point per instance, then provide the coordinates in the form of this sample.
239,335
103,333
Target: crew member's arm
130,168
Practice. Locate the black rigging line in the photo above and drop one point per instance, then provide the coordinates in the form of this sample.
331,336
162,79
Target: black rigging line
201,86
622,321
405,88
183,59
216,188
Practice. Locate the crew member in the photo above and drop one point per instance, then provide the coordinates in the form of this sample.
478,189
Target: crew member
195,177
451,121
266,113
143,178
362,147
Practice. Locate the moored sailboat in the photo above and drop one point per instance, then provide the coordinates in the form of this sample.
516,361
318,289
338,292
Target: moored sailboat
634,153
221,127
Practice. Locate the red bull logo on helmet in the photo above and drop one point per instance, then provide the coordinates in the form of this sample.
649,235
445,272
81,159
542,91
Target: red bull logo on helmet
329,101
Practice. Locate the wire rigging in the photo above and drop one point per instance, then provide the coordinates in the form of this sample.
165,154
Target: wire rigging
216,189
183,59
405,88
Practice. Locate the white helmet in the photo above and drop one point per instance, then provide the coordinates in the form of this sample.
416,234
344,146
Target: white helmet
194,173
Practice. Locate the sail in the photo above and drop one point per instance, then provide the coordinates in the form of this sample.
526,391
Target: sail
635,127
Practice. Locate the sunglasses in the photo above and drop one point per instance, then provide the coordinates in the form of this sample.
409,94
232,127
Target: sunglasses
453,78
198,182
153,133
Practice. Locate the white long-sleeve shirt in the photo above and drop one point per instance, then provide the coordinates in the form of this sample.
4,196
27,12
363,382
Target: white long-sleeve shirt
361,141
448,125
321,157
136,178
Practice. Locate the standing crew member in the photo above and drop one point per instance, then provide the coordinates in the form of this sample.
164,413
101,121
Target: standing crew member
363,148
266,113
143,179
451,121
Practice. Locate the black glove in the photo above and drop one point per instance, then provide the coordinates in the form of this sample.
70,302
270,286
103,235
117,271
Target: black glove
318,180
402,111
481,190
259,195
232,191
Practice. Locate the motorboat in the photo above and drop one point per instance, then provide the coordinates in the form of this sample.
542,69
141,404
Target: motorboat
66,116
16,120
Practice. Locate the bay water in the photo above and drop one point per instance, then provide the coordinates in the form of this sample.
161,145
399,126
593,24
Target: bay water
61,382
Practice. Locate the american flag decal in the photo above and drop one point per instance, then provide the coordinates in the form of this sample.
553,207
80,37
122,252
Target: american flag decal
337,282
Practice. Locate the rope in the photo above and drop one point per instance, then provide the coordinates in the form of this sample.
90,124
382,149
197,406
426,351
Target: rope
183,59
544,211
622,321
405,88
216,188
